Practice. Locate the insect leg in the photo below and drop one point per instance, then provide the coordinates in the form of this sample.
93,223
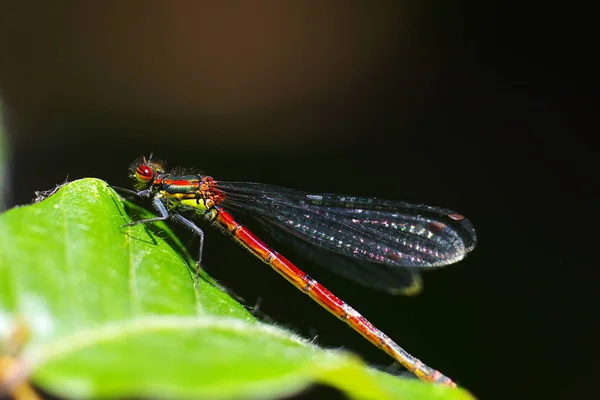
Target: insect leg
196,229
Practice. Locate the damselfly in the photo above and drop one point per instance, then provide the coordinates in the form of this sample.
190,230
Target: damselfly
378,243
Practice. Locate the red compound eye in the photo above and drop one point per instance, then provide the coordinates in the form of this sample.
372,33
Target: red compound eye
144,173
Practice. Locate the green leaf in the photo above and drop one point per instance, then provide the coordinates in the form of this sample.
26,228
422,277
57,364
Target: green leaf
114,312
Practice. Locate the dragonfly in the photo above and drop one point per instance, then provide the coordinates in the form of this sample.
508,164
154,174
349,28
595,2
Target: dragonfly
378,243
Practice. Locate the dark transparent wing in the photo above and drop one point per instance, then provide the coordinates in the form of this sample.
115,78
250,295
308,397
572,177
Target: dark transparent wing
395,280
390,233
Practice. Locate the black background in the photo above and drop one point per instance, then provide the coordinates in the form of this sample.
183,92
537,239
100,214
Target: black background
487,111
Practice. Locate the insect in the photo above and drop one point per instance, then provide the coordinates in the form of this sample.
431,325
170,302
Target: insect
378,243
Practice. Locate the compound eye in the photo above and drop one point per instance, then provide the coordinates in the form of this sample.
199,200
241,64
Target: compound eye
144,174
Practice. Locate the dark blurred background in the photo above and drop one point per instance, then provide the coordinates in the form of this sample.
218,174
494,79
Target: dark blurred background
485,109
